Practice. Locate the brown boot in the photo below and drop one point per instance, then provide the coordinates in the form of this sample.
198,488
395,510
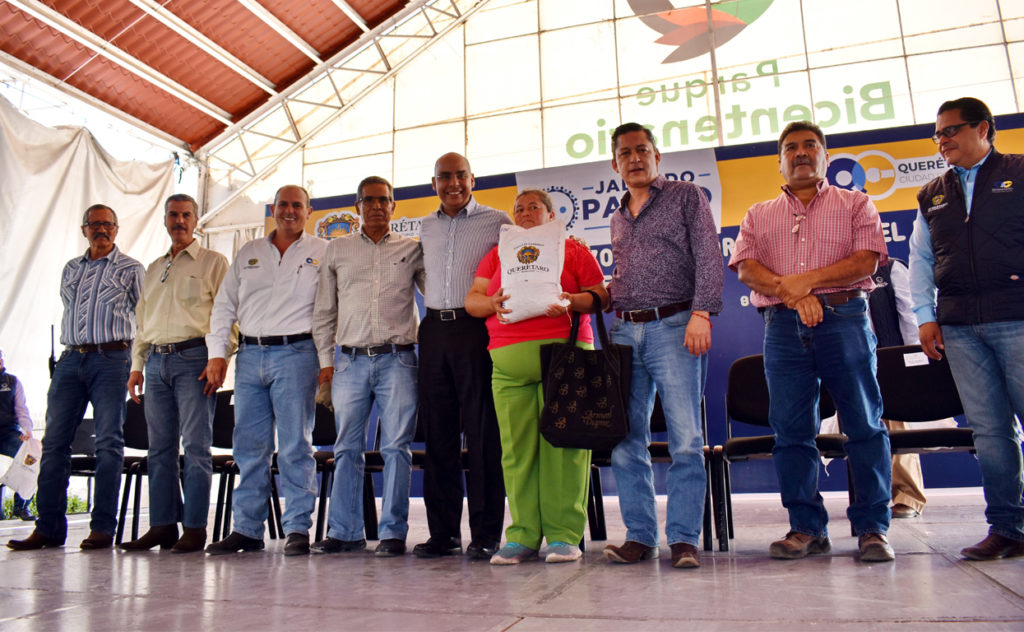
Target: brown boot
97,540
34,541
191,540
165,536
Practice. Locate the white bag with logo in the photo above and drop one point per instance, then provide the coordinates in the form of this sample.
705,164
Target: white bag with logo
21,475
531,268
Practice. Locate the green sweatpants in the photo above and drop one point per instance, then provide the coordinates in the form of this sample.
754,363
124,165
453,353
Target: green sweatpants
546,486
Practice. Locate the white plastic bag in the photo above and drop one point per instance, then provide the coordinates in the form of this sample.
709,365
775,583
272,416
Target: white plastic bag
22,474
531,268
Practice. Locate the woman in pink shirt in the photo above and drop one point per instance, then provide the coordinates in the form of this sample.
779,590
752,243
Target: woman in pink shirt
546,486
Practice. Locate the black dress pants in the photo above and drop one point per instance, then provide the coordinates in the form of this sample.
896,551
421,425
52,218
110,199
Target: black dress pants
455,397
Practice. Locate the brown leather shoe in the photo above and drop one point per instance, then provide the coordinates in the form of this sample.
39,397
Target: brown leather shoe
630,552
97,540
874,547
993,547
33,542
165,536
899,511
192,540
685,555
796,545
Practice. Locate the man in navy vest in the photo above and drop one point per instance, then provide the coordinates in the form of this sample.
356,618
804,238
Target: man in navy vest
15,427
967,282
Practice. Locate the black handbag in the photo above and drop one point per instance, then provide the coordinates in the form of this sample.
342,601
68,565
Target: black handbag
586,391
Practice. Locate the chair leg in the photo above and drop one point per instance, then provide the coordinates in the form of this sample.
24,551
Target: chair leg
119,534
226,527
723,500
369,507
598,527
709,476
728,499
137,501
218,516
326,480
275,507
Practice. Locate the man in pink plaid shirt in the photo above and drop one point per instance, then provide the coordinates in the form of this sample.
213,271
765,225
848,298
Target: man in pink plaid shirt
808,256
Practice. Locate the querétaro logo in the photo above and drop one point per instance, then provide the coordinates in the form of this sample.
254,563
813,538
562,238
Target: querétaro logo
337,224
687,29
528,254
567,208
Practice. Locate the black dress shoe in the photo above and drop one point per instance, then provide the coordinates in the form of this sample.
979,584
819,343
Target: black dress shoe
234,543
477,551
165,536
331,546
297,544
438,547
33,542
390,547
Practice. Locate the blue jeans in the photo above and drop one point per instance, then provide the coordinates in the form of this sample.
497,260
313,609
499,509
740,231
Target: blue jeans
275,385
79,379
178,411
390,379
987,362
660,361
839,353
9,446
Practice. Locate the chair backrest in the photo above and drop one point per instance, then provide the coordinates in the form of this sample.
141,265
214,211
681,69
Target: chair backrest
324,431
746,394
85,438
915,387
224,421
136,435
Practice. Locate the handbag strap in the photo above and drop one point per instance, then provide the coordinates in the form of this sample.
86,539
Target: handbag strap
595,307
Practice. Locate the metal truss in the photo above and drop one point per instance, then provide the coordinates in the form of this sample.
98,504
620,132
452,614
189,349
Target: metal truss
253,148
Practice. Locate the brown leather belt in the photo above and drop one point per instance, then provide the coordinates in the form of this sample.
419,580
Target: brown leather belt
175,347
657,313
118,345
840,298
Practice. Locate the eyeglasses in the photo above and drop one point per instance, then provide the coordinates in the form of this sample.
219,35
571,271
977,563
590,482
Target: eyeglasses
99,225
951,130
167,271
369,200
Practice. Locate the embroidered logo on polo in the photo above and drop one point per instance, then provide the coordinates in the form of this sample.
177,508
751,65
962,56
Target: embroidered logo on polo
311,261
252,263
527,254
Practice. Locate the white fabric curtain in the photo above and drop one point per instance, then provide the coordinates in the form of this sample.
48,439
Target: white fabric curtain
48,177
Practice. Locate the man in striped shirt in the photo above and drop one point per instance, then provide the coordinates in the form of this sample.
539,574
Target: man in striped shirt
99,290
808,255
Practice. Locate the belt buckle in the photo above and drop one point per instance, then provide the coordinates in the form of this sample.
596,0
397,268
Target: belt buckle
633,314
370,353
447,314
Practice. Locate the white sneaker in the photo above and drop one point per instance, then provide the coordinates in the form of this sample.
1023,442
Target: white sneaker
562,552
513,553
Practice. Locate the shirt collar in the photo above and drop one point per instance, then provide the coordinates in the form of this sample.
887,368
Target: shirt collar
657,184
386,237
110,256
821,184
192,249
963,171
470,207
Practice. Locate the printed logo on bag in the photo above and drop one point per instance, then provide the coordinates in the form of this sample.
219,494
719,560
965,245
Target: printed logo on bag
597,420
527,254
30,460
571,408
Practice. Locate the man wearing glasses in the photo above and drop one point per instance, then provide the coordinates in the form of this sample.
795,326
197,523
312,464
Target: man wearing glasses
966,245
173,315
99,289
366,305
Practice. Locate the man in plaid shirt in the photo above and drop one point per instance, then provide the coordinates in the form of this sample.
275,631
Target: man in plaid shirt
808,256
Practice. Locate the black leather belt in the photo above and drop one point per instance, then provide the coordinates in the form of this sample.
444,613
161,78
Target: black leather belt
840,298
448,314
117,345
175,347
657,313
376,351
274,341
